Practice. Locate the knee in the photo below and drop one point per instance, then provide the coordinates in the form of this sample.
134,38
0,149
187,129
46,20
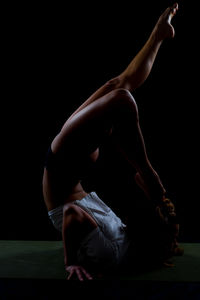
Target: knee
124,101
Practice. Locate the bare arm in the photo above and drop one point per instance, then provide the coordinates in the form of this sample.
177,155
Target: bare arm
70,228
75,227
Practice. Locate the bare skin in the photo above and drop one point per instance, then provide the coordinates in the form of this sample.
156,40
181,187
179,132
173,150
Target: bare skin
88,126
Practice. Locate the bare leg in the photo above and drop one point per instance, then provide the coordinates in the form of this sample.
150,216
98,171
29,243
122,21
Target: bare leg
140,67
130,143
85,129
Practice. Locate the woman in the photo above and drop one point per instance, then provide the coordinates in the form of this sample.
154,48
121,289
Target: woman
93,236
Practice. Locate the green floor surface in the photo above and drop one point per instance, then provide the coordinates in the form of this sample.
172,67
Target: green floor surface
44,260
31,259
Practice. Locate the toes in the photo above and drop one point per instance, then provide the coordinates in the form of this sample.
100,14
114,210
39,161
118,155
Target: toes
175,6
173,9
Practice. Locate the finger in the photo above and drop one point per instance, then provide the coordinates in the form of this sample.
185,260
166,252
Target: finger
168,264
70,275
87,275
78,273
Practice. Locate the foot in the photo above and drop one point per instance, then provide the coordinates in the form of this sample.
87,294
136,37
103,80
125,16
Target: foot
164,28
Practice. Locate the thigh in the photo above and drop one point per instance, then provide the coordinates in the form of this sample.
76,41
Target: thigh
85,131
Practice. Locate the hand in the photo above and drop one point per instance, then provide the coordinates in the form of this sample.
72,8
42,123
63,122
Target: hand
166,210
77,271
167,215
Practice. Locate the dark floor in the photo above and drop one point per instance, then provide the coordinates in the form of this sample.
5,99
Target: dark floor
52,289
34,270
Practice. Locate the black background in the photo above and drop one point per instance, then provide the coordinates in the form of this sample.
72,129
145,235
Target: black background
53,58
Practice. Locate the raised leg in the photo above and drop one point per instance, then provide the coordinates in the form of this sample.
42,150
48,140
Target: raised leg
140,67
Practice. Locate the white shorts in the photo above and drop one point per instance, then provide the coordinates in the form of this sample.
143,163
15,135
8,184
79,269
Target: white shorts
56,217
107,244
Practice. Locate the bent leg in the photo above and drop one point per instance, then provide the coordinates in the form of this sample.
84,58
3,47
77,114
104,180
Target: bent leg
86,130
